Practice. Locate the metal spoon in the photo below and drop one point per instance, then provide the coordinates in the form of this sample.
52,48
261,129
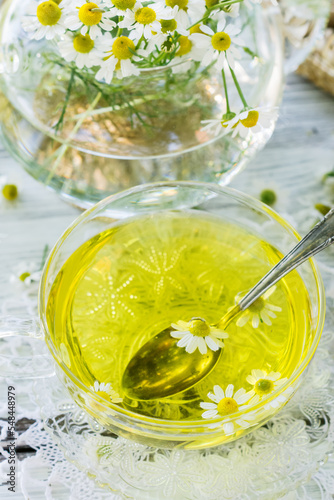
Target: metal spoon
161,369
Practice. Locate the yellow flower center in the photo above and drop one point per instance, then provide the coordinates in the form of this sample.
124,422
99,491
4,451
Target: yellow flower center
199,328
83,44
121,46
263,386
168,25
24,276
226,406
182,4
196,29
185,46
211,3
103,395
221,41
48,13
10,191
257,306
145,15
251,120
124,4
87,16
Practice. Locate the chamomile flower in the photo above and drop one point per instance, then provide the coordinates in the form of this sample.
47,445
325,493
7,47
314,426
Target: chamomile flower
26,273
226,403
253,119
218,125
198,334
106,391
83,50
265,383
118,60
119,6
259,311
220,45
185,12
160,40
89,17
186,53
45,19
280,400
144,21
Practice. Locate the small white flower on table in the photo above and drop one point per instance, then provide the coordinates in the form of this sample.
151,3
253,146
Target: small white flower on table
26,273
198,334
225,403
259,311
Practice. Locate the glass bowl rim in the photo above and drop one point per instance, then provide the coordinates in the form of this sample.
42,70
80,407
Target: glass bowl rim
191,425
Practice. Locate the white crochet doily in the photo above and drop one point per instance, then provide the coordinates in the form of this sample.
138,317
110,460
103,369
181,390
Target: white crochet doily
290,457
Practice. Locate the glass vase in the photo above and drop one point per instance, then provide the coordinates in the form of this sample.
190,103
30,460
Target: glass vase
87,140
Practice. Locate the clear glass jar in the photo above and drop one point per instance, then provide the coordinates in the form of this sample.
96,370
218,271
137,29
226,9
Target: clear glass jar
141,129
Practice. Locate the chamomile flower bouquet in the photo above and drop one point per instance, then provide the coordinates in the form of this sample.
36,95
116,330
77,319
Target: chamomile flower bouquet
145,82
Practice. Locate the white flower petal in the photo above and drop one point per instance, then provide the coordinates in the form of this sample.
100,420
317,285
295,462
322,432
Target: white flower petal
210,414
229,391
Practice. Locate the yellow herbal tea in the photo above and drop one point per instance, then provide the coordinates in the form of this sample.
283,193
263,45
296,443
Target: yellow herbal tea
130,282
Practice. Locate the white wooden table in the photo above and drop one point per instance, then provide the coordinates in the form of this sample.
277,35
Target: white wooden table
300,152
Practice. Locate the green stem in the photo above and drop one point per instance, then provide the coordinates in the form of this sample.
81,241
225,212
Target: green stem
45,254
63,148
116,107
238,87
226,93
120,30
67,98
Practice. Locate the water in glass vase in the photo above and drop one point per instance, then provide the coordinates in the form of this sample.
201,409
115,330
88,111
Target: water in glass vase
125,285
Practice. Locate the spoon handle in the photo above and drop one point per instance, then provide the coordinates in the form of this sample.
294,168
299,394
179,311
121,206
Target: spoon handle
320,237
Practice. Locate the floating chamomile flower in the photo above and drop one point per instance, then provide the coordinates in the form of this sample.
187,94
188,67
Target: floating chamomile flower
144,21
45,19
89,17
279,400
227,403
83,50
259,311
265,383
106,391
253,119
197,333
220,45
118,60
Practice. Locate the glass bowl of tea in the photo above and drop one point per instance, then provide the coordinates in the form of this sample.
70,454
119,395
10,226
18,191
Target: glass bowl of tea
175,257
